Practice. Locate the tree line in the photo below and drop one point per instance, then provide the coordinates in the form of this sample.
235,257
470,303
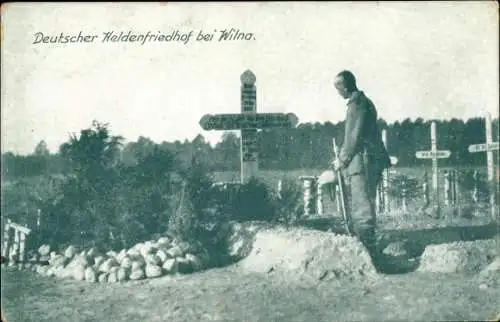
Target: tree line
308,146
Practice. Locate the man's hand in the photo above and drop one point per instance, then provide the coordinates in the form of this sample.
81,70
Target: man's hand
337,164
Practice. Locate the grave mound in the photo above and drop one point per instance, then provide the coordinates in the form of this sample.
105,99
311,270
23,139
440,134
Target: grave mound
490,275
458,257
305,254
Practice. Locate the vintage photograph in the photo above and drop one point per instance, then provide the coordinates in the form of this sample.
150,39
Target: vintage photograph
250,161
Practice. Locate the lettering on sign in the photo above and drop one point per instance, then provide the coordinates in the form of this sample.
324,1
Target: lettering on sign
248,98
483,147
247,121
432,154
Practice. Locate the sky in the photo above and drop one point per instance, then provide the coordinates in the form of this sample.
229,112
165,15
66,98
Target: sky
435,60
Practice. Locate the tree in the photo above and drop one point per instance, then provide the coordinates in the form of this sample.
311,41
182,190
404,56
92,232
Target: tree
41,149
91,195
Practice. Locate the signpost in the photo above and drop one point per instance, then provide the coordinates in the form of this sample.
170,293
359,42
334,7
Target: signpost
488,147
433,154
248,122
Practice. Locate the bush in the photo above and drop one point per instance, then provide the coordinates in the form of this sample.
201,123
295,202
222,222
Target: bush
410,185
254,201
289,204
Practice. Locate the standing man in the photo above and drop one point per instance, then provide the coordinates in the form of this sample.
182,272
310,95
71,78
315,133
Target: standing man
361,159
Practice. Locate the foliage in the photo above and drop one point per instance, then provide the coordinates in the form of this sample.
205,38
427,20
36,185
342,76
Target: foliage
289,203
309,146
403,184
189,220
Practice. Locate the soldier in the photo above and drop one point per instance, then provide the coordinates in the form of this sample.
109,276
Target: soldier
362,160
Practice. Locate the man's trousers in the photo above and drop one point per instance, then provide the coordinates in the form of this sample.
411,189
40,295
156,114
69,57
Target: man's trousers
361,190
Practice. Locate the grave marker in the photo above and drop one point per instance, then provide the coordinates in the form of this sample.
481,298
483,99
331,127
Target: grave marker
248,122
433,154
488,147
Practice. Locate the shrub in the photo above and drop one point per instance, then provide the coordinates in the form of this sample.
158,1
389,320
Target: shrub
253,201
289,204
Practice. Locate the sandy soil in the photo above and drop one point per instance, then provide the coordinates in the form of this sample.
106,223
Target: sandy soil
224,294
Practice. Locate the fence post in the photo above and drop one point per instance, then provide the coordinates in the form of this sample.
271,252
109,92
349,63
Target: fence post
379,199
403,195
475,190
38,218
22,247
319,199
6,240
15,248
425,191
454,190
308,183
447,186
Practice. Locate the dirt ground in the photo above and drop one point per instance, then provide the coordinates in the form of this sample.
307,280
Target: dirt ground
224,294
230,294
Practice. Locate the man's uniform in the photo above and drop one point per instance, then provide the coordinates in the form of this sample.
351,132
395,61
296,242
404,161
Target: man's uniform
363,158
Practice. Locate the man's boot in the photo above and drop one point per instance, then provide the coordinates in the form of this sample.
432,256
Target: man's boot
369,240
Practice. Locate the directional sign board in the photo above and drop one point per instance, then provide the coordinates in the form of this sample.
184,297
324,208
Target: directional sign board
483,147
248,121
443,154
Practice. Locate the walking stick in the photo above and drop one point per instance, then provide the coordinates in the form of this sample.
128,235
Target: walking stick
345,215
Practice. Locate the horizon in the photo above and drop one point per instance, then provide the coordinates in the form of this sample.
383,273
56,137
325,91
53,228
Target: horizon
237,133
414,60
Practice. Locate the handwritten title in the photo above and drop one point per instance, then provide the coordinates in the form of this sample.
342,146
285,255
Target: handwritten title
231,34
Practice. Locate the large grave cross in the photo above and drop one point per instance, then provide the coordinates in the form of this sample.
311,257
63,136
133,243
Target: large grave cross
248,122
433,154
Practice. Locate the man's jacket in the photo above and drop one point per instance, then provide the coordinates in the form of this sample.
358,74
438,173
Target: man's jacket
363,149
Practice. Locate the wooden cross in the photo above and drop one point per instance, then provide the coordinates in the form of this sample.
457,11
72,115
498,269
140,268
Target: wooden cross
433,154
248,122
488,147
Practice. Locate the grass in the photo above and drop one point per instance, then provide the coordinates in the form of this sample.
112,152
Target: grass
227,295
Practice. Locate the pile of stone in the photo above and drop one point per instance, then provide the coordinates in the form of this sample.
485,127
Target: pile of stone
458,257
150,259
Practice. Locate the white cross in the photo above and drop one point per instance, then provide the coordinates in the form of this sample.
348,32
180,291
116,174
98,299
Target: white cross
433,154
487,147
